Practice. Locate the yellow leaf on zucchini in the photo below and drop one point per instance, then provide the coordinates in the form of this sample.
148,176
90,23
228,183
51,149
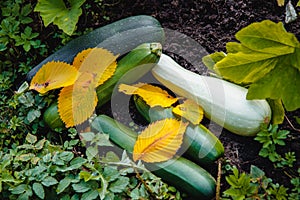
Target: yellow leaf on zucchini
101,67
76,104
189,110
159,141
152,95
53,75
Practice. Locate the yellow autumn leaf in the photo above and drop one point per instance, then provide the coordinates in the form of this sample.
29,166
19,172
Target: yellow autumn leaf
159,141
97,61
189,110
280,2
152,95
76,103
53,75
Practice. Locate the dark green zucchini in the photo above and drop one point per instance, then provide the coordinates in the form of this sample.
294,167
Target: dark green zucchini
119,37
199,144
179,172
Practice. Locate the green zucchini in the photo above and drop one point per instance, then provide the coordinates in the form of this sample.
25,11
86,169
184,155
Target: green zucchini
143,57
199,144
223,102
119,37
51,117
179,172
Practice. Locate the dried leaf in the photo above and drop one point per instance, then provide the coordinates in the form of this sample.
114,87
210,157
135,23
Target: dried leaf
152,95
159,141
76,104
53,75
190,111
280,2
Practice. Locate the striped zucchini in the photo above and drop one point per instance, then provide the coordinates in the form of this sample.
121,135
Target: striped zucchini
223,102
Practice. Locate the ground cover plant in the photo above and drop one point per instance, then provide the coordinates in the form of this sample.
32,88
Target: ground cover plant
38,162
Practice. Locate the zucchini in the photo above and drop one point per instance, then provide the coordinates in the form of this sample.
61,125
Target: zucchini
180,172
119,37
223,102
199,144
51,117
143,57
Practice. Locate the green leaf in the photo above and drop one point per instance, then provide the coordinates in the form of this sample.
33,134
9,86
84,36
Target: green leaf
31,138
57,12
210,60
81,187
48,181
19,189
32,115
63,184
66,156
281,83
277,111
92,194
244,67
268,37
267,58
256,172
38,190
119,185
110,174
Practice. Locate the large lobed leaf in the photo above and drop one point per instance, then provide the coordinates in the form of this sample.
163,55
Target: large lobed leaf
268,60
60,14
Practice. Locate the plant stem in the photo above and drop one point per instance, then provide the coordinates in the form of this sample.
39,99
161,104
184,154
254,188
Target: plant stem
218,188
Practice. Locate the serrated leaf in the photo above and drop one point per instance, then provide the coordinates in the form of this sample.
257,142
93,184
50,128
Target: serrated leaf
53,75
152,95
159,141
61,15
38,190
190,111
76,104
268,60
109,66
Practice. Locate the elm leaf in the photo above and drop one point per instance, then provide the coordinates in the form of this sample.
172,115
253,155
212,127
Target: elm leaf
159,141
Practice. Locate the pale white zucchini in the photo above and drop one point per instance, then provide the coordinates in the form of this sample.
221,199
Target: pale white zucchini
223,102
